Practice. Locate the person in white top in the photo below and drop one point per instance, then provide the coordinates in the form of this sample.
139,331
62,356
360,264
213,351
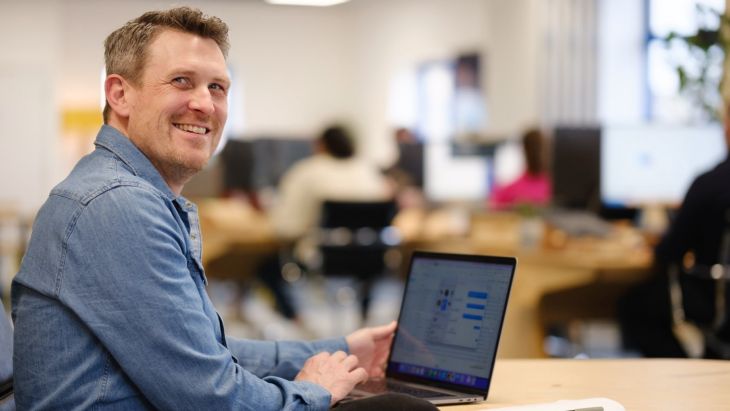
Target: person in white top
334,172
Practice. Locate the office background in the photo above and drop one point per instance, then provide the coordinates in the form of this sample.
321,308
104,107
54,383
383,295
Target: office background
547,63
298,68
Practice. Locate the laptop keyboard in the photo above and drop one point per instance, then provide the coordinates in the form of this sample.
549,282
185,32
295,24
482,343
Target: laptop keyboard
390,386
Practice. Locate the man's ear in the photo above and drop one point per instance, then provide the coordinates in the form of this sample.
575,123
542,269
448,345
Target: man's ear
116,89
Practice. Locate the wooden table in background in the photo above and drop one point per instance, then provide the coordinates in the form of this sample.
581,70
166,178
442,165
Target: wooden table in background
235,239
555,262
233,229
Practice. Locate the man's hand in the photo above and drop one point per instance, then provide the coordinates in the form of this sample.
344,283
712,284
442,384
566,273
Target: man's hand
338,373
371,346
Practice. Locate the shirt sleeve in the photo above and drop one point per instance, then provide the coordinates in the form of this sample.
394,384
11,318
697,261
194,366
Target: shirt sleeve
134,291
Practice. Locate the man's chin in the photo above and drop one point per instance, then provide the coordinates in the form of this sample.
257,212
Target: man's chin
193,168
197,161
184,171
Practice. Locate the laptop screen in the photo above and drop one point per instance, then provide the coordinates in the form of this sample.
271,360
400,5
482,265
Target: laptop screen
451,318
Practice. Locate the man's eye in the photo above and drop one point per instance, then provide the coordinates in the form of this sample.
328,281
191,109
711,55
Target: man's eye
217,87
180,81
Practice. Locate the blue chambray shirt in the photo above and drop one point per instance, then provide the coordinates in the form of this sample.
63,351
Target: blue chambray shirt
111,311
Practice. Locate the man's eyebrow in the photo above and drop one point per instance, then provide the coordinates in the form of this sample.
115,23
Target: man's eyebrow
223,80
186,72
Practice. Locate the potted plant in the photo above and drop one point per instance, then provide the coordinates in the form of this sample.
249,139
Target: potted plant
704,76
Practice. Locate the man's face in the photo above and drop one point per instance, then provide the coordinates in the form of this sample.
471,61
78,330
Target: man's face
178,110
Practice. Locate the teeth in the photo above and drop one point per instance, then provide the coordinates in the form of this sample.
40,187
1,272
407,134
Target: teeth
191,128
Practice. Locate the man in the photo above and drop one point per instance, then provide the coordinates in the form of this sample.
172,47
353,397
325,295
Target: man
110,305
645,312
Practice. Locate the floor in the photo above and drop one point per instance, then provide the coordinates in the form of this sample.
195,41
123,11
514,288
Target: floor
331,310
326,310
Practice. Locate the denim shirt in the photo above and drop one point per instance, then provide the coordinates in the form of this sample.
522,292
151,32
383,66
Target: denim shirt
111,311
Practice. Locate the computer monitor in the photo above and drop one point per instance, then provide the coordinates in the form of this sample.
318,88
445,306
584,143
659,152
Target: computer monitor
454,178
655,164
576,167
237,158
253,164
274,156
410,162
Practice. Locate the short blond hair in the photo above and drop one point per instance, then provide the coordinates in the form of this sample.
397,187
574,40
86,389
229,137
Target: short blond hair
125,49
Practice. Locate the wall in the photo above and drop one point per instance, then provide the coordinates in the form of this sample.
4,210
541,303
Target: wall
390,37
29,142
514,65
292,61
622,95
300,67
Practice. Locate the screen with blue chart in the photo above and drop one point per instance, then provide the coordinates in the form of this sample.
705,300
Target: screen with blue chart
450,320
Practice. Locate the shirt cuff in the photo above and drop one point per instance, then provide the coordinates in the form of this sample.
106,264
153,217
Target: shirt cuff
314,395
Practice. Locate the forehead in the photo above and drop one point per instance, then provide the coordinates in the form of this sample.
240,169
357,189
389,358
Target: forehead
176,50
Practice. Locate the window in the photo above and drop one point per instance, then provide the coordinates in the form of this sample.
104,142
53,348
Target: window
682,17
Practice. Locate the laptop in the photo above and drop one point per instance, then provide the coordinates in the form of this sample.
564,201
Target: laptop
448,329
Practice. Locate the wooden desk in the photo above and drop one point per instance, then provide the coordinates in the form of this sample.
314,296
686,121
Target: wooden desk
231,227
646,385
553,263
233,224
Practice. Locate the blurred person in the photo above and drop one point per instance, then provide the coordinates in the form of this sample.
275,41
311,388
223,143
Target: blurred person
110,306
334,172
470,106
697,229
406,174
533,187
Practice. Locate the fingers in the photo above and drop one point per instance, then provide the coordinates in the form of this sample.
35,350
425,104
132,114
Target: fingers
339,355
321,356
338,373
378,371
384,331
360,375
318,358
381,357
351,361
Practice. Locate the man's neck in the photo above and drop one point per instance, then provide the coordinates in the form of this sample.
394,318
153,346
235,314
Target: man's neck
120,126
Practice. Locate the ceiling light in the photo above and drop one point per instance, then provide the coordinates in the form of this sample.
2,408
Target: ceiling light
318,3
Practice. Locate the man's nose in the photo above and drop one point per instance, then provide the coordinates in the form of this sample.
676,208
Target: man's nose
201,100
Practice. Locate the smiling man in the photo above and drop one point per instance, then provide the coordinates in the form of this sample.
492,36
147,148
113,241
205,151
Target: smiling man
175,111
110,306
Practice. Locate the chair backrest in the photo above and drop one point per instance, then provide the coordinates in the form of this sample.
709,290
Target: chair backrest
353,214
354,237
7,401
712,324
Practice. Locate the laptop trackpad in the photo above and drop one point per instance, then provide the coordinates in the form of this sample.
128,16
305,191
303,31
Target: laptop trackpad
383,385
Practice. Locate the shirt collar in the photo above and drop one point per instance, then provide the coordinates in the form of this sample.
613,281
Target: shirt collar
122,147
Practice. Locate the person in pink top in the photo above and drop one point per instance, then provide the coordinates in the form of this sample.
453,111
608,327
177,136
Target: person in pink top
533,187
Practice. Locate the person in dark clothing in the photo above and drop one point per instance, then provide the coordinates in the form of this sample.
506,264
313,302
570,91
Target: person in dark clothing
695,234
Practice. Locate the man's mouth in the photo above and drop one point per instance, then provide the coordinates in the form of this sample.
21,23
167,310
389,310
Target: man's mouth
192,128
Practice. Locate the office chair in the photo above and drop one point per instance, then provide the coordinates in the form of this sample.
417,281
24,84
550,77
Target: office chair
7,399
703,331
353,240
